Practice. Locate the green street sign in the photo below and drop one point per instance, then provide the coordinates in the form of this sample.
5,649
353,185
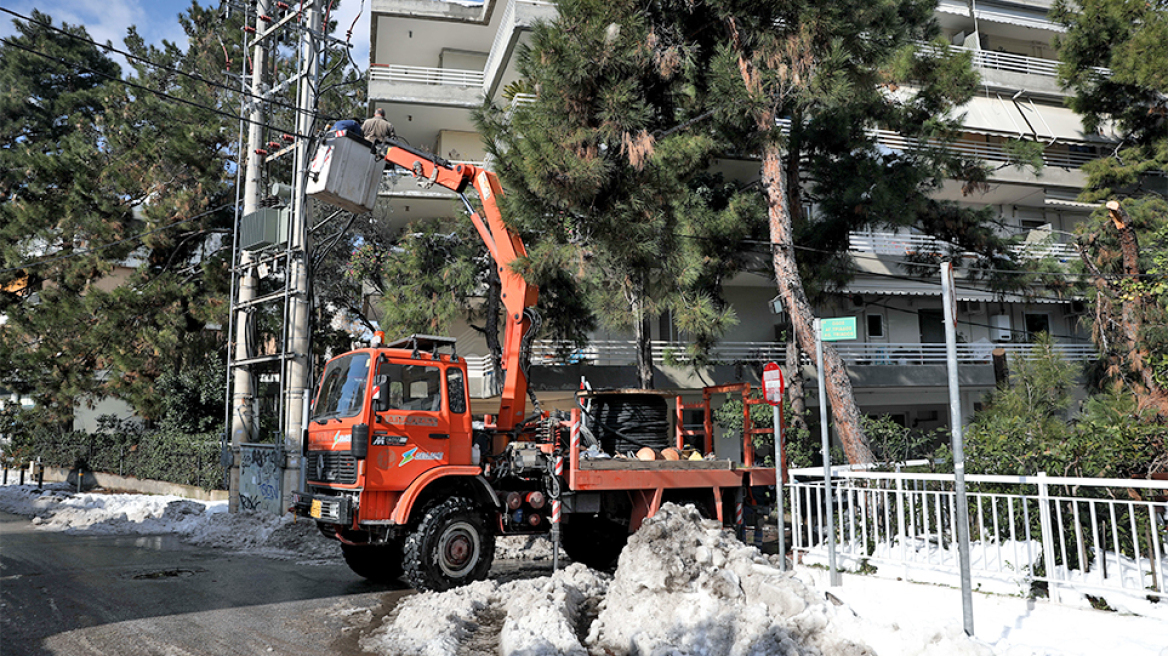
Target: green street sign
835,330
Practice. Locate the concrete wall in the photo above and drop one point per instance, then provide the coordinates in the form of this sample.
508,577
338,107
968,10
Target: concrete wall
126,483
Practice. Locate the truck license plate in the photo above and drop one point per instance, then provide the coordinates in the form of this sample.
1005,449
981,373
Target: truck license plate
314,512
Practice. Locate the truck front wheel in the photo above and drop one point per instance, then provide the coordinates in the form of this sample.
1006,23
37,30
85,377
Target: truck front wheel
380,563
452,546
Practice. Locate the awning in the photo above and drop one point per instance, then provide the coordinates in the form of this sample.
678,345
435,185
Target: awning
1004,116
997,116
1031,17
964,291
1048,122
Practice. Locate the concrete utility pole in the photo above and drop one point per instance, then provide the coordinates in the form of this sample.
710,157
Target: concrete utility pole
243,416
297,345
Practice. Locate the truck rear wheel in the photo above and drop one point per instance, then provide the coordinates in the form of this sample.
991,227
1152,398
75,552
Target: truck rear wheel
452,546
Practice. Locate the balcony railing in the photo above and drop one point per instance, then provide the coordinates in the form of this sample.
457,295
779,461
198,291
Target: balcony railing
623,353
989,151
452,77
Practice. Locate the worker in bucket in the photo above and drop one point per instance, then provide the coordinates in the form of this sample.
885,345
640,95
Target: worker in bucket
347,125
378,130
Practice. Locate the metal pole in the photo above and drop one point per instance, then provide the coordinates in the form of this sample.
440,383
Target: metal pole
962,518
296,369
777,415
834,576
243,415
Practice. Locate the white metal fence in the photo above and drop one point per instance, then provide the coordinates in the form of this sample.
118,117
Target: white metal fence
1092,535
422,75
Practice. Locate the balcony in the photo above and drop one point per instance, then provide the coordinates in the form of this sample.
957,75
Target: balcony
517,18
445,86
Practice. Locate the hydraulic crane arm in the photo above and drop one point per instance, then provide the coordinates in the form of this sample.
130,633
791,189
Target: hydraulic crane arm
505,247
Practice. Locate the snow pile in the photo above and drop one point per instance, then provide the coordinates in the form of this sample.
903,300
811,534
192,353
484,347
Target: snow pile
683,587
686,586
533,617
527,547
58,508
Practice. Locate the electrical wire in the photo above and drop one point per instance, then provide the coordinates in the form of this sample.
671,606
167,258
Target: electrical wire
154,64
160,94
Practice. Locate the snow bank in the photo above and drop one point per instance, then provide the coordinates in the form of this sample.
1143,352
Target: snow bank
533,617
683,587
58,508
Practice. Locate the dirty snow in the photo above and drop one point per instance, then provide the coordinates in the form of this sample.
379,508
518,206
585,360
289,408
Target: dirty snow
683,587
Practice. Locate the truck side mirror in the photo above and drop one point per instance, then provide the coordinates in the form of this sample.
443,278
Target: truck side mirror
359,441
381,393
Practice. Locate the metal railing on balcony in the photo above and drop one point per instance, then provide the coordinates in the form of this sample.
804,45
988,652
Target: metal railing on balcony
873,354
624,353
452,77
988,151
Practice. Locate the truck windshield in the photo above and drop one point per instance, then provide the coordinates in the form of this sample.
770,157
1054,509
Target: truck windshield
342,390
412,387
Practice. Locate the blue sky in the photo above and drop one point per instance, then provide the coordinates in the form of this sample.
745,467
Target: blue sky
107,20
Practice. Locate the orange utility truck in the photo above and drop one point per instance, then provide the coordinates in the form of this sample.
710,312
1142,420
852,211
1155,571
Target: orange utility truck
401,474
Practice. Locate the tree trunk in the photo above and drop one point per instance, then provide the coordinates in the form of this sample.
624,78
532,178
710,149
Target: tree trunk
798,418
838,385
644,346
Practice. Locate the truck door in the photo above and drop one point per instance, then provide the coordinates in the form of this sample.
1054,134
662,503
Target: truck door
412,429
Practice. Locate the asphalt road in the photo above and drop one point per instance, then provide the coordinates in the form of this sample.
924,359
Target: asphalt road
81,594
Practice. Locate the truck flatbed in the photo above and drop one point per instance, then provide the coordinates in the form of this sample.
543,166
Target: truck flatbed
629,464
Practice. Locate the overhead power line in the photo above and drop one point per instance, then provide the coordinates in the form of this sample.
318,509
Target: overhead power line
149,62
160,94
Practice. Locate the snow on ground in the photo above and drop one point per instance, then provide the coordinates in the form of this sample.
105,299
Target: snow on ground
683,587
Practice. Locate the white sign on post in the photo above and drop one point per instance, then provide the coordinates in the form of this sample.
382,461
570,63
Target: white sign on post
772,383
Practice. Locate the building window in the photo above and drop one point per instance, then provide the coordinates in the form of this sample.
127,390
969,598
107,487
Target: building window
1036,323
876,326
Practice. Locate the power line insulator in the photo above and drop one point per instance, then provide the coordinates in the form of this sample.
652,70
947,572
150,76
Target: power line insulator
249,29
289,138
262,152
274,144
282,5
265,18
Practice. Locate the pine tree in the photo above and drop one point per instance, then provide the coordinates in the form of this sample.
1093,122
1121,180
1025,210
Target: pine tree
109,175
605,173
1112,58
805,83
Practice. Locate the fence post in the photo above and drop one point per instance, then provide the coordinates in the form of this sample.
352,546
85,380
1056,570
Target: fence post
900,536
1047,537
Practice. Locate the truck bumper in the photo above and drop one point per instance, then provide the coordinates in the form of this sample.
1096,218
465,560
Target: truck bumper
323,508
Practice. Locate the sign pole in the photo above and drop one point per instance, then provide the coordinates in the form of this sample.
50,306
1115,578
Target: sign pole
834,577
962,518
773,388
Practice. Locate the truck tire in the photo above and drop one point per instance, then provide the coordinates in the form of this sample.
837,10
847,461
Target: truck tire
380,563
594,541
453,545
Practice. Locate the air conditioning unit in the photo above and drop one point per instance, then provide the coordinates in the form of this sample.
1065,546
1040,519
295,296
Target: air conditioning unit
1000,330
971,307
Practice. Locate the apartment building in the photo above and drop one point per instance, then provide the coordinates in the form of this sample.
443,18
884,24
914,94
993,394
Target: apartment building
432,62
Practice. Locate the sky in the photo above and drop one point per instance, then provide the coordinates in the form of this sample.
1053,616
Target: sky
890,615
156,20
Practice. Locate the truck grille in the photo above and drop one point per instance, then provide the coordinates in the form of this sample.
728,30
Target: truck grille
331,467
